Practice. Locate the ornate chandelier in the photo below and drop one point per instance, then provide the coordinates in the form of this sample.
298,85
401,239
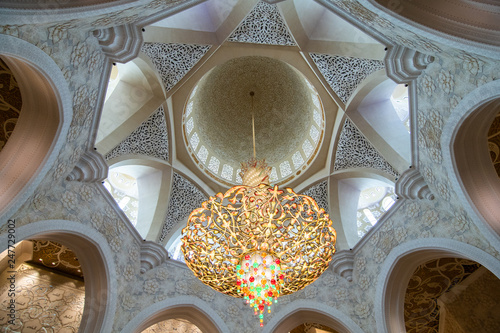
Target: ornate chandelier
256,241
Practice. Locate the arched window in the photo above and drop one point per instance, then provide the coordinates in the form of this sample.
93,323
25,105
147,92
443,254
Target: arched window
400,102
124,190
175,250
372,205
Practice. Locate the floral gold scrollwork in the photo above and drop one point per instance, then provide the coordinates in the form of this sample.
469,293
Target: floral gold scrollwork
45,301
56,256
173,325
428,283
310,327
494,143
10,103
287,225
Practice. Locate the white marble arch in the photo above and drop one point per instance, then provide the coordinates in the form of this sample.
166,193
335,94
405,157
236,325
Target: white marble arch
399,266
190,308
462,24
95,257
301,311
42,125
467,160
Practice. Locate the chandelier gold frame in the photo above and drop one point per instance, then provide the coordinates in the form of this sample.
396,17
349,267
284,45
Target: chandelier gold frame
229,238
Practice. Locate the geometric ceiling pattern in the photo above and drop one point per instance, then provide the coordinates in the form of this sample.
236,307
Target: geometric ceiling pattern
355,151
319,193
264,25
173,61
184,198
344,74
149,139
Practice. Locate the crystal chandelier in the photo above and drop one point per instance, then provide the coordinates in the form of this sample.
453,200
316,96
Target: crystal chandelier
256,241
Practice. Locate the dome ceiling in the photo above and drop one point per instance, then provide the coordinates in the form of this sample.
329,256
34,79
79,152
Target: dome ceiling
218,117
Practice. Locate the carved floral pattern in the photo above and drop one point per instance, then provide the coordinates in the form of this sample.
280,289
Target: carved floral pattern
10,103
429,281
264,25
319,193
184,199
56,256
173,325
467,75
344,74
45,301
173,61
150,139
494,143
355,151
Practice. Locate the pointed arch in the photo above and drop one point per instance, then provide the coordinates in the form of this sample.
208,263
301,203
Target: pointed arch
94,255
189,308
466,157
301,311
42,126
399,266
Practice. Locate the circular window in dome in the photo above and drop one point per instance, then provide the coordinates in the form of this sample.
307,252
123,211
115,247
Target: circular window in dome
288,117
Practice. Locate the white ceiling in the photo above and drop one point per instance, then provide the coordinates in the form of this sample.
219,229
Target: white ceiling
318,23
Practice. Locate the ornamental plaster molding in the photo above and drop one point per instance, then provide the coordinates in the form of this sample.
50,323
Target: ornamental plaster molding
192,308
152,255
174,60
185,197
462,24
412,185
43,85
120,43
319,193
355,151
335,318
344,74
264,25
466,158
91,167
343,263
399,266
403,64
96,257
149,139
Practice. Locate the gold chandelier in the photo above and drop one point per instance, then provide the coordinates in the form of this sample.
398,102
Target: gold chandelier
256,241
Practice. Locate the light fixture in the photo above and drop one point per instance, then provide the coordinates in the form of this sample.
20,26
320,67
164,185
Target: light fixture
256,241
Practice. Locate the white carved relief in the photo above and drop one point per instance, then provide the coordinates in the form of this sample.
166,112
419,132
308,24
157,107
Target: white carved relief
319,193
173,61
264,25
344,74
184,199
355,151
150,139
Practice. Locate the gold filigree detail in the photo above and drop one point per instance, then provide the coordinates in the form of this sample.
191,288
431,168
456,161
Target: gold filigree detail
308,327
56,256
287,225
494,143
10,103
428,283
